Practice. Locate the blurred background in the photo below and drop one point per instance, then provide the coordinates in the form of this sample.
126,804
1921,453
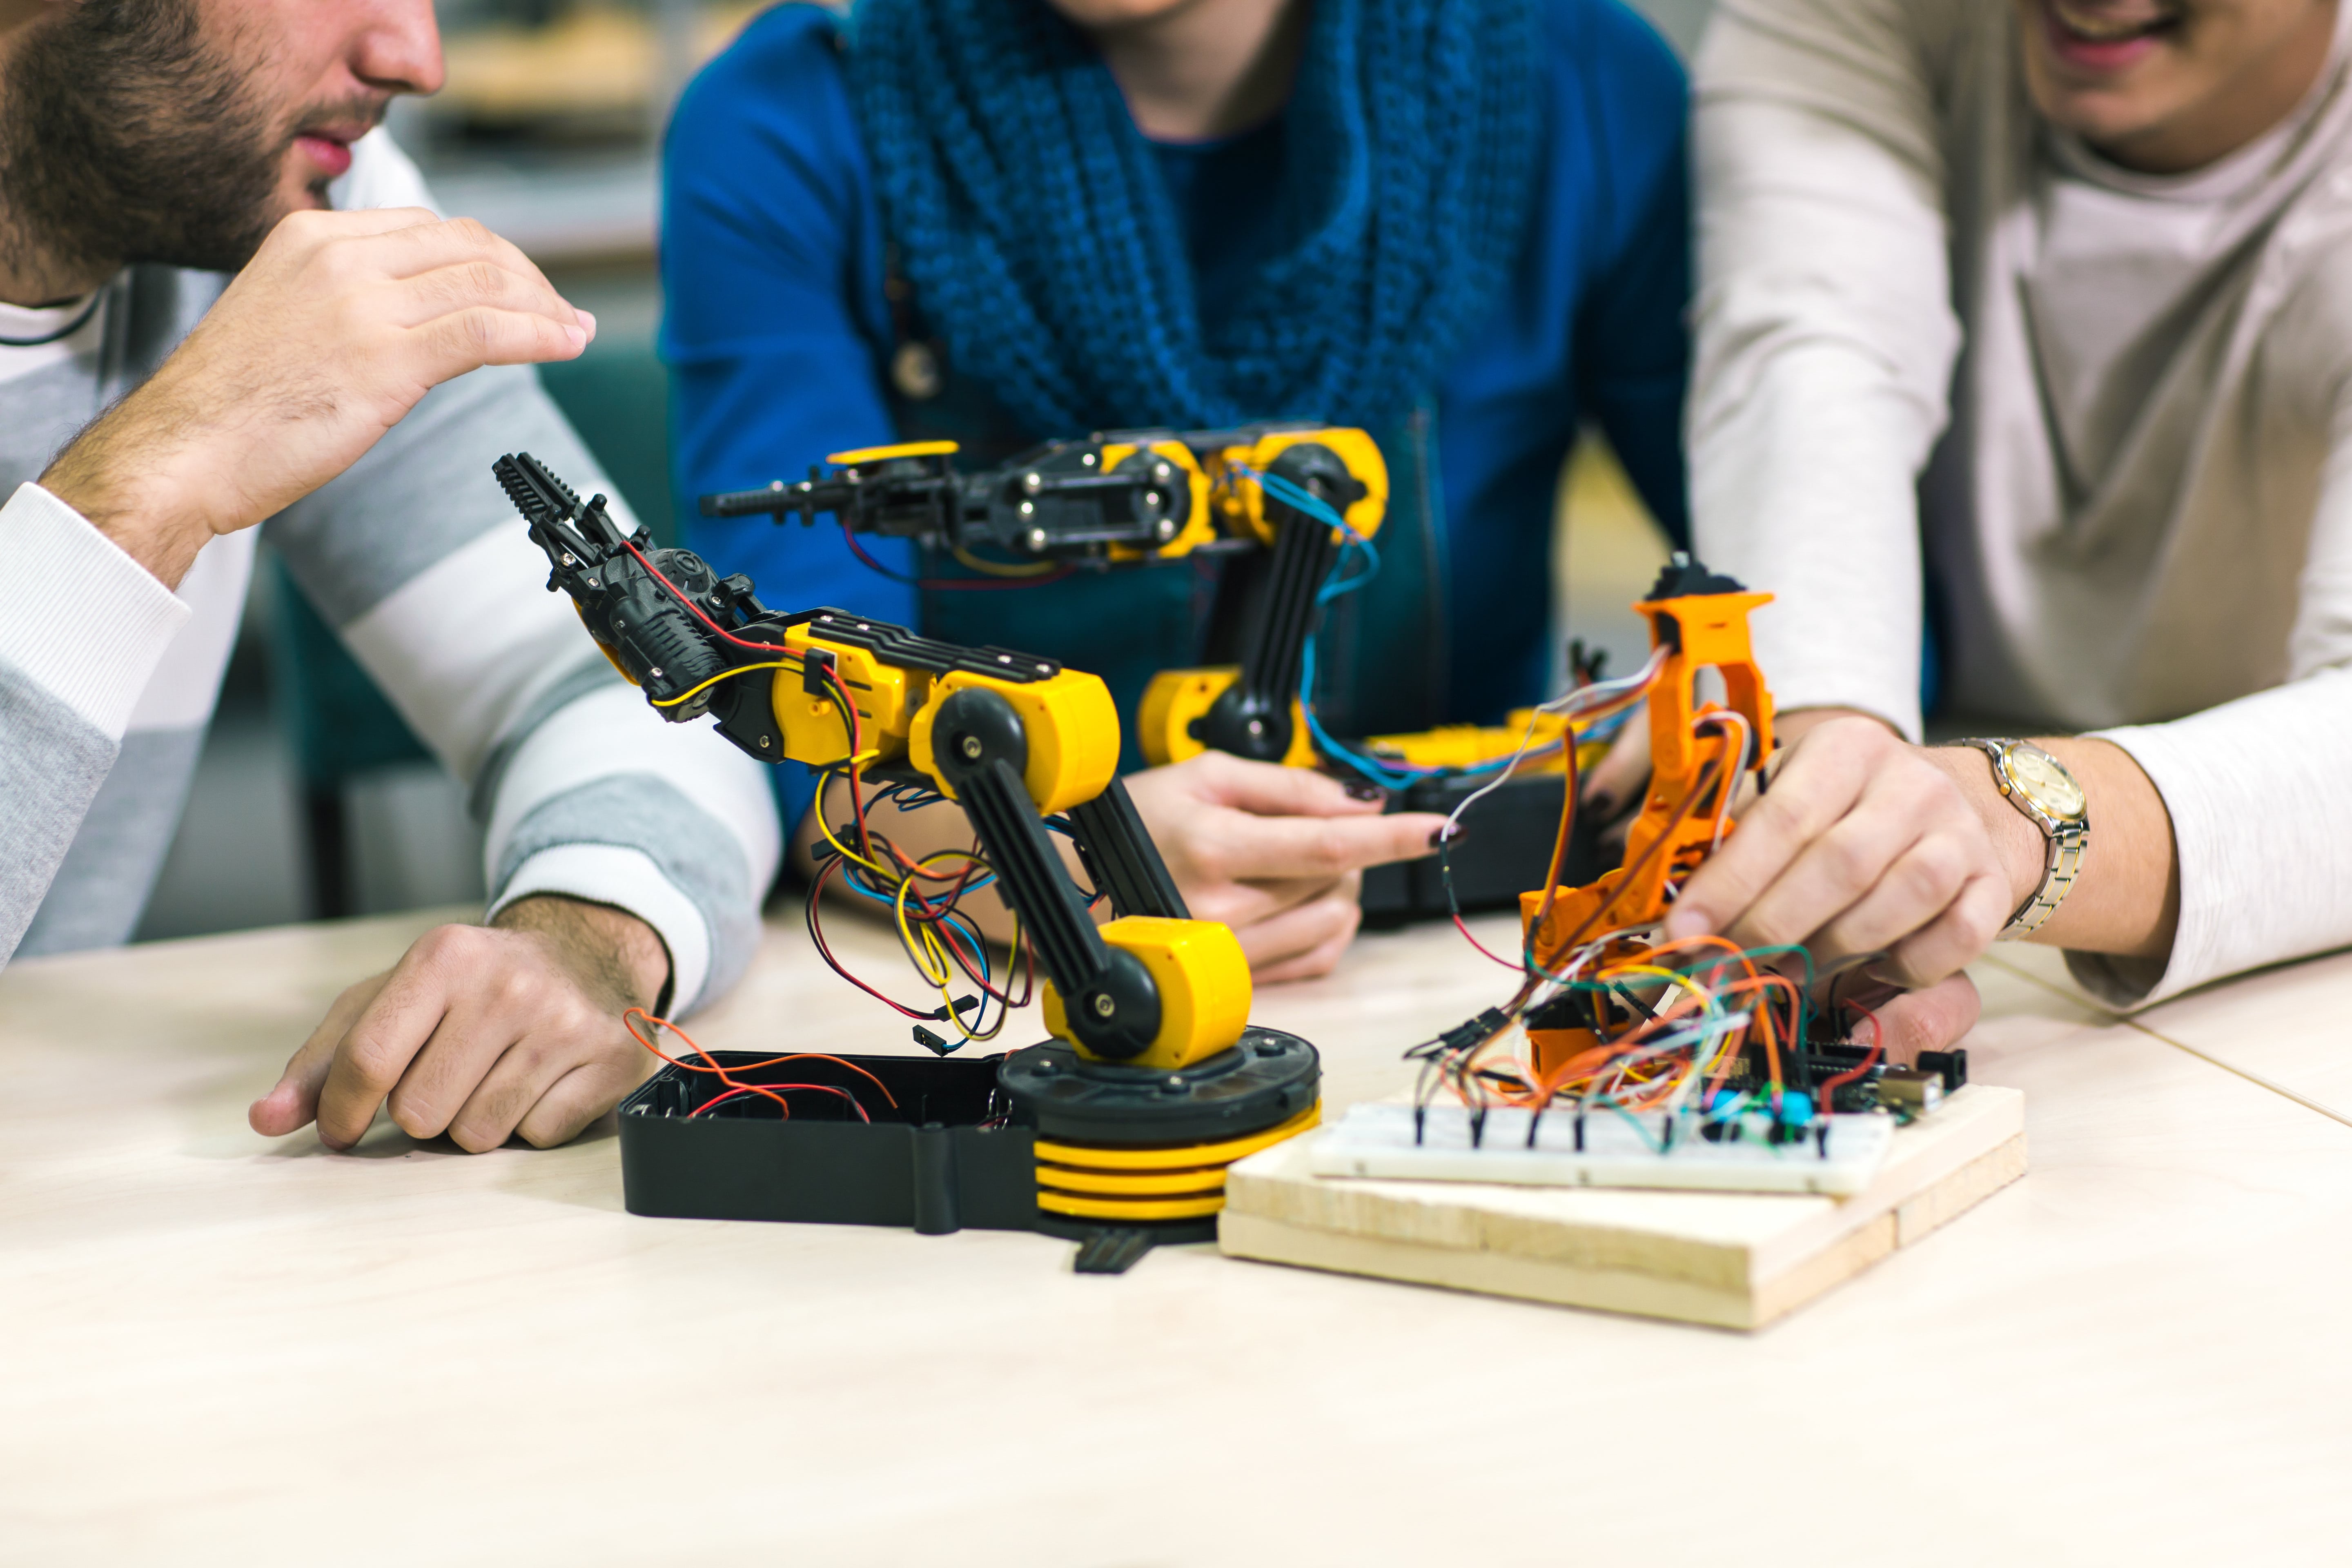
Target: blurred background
312,799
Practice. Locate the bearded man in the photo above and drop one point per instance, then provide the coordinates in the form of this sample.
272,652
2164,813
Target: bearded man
195,340
2032,322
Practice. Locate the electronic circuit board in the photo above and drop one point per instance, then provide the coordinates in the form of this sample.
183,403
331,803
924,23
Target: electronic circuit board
1836,1156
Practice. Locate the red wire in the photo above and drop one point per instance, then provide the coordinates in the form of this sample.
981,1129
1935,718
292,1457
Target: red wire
1483,948
825,949
855,724
954,939
1877,1043
721,1073
785,1089
696,609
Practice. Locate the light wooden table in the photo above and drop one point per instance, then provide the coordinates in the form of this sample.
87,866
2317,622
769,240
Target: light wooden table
215,1348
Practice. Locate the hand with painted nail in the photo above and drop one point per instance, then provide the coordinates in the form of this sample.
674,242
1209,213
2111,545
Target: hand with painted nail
1613,790
1276,853
1862,848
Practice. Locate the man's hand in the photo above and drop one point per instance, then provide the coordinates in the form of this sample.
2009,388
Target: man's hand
1276,853
1862,846
327,339
1908,1022
481,1033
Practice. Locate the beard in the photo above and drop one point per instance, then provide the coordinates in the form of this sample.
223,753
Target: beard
127,136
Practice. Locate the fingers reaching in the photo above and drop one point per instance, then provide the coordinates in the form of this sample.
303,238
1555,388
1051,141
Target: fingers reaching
476,1032
293,1100
1242,846
1864,844
1306,940
1934,1018
1622,777
1270,789
1807,798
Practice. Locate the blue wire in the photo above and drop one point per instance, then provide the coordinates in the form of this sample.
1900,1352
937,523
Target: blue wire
1336,585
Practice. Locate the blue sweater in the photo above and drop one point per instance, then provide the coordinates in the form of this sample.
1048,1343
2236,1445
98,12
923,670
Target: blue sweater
779,334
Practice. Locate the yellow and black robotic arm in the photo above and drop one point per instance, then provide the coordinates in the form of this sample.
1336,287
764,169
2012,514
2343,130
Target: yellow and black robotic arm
1129,496
1126,498
1156,1080
1010,737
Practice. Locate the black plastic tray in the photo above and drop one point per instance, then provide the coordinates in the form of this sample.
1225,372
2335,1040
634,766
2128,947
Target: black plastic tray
930,1164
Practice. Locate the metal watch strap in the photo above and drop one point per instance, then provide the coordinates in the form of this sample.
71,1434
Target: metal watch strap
2060,867
2064,843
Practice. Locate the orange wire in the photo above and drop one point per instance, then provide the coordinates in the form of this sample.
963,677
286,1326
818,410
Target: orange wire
724,1075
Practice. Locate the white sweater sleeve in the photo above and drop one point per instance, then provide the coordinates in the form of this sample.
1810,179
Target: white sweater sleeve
81,629
1825,337
2257,788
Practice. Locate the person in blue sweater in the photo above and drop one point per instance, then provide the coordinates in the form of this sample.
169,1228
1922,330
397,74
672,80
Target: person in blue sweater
1461,225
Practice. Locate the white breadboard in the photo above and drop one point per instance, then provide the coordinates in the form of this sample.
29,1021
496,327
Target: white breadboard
1377,1140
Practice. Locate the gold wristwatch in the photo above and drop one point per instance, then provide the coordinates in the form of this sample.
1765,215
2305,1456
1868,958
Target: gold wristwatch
2039,785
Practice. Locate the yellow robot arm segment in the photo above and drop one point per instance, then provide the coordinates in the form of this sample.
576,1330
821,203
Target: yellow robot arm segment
1200,526
889,454
1205,988
1072,726
1240,499
885,696
1177,702
1467,745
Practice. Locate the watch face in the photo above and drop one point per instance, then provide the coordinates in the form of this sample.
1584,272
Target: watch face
2047,785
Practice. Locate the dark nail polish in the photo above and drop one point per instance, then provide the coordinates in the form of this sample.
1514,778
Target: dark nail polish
1601,804
1358,789
1439,838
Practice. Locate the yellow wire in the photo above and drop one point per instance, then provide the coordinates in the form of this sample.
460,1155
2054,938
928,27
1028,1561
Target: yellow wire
723,675
823,784
940,978
1002,569
935,949
1699,994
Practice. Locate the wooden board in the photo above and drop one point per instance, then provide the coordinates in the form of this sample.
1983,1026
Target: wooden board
1735,1260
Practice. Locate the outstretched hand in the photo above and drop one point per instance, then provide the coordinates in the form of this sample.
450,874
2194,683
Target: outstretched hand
481,1033
1276,853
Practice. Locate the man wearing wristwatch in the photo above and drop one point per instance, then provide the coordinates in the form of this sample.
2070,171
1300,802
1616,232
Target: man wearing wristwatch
2024,336
2039,785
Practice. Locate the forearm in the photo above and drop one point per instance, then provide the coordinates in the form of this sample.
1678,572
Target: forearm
118,474
83,626
1824,337
586,792
2126,898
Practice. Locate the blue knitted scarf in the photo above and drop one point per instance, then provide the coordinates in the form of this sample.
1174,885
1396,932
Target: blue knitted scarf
1046,251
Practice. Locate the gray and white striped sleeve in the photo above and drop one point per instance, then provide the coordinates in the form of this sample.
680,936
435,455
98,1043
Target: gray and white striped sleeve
418,561
81,629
